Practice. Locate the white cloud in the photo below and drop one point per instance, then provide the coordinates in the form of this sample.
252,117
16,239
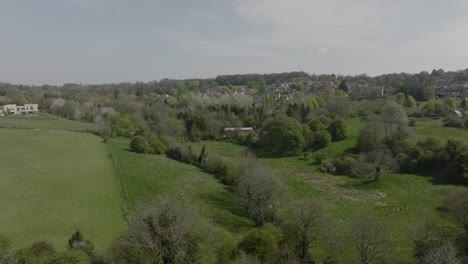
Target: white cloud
87,3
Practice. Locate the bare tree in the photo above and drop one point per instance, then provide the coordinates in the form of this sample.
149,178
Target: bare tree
166,230
444,254
369,239
259,190
304,222
380,157
392,116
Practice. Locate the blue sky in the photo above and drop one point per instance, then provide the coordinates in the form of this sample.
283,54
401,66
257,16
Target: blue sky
104,41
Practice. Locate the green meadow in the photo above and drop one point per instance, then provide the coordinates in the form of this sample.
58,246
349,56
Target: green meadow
398,199
46,122
146,177
54,182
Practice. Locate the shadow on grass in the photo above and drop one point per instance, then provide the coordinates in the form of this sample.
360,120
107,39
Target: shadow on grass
228,212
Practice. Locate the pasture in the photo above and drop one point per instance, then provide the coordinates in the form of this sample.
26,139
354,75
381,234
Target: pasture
53,182
46,122
427,127
146,177
398,199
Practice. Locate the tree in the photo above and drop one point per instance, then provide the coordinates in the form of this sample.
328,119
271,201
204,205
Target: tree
321,139
78,242
303,223
260,242
167,230
343,86
392,116
410,102
139,145
283,135
370,135
369,239
443,254
380,158
259,190
337,129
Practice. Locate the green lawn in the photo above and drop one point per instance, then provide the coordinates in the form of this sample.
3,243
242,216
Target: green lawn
427,127
46,122
146,177
53,182
398,199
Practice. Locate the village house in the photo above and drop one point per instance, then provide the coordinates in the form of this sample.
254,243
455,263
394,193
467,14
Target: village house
457,90
12,109
367,92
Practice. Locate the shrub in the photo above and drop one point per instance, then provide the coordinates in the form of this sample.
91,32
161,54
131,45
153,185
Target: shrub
188,156
174,152
79,243
139,145
453,120
321,139
158,147
337,129
412,122
216,166
344,166
328,165
260,242
42,248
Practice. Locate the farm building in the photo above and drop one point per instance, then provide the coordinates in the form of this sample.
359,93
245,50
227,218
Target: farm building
12,109
235,131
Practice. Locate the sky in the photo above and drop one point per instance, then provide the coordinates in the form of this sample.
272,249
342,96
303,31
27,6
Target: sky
110,41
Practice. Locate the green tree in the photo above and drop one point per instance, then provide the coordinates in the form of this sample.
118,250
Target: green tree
337,129
321,139
283,135
410,102
139,145
343,86
260,242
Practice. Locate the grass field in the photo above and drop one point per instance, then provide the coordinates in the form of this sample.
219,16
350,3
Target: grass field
45,122
146,177
53,182
398,199
427,127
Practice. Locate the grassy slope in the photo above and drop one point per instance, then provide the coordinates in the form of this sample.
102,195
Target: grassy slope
53,182
46,122
426,127
145,177
398,199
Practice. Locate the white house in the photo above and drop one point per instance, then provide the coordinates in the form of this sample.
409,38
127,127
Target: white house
12,109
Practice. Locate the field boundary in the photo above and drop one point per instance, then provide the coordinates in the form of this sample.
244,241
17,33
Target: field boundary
123,204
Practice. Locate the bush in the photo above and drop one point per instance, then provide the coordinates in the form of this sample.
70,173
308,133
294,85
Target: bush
337,129
174,152
260,242
79,243
321,139
216,166
139,145
453,120
328,165
42,248
188,156
344,166
412,122
158,147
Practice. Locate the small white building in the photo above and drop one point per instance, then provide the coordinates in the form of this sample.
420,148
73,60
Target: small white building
12,109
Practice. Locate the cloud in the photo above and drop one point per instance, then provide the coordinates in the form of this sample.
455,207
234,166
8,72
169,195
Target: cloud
87,3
